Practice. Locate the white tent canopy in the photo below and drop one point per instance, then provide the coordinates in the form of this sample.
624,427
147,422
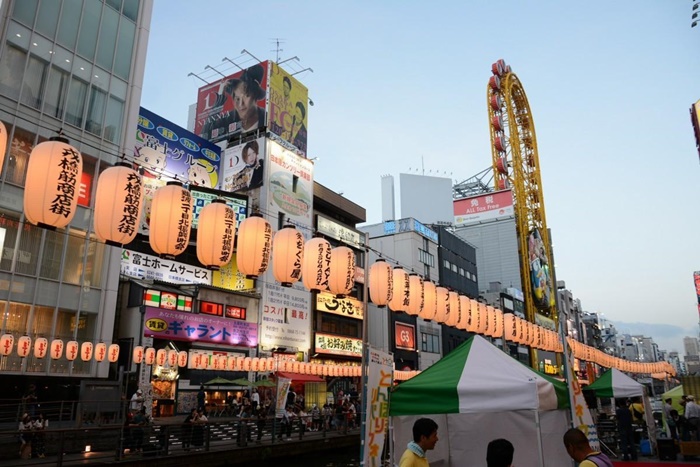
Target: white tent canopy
616,384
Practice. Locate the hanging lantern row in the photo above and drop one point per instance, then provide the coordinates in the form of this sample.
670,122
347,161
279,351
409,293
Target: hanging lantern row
41,347
590,354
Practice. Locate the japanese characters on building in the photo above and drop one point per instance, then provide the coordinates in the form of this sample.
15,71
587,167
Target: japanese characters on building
143,266
348,306
338,345
286,319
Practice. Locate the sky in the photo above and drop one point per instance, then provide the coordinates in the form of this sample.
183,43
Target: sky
400,84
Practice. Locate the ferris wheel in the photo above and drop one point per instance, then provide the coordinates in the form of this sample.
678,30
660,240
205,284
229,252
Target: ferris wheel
516,167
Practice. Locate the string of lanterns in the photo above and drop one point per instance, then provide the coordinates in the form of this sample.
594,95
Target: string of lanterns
53,174
55,349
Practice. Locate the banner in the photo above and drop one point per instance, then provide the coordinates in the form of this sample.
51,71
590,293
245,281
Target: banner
143,266
282,390
380,372
233,105
286,319
481,208
287,114
696,278
243,166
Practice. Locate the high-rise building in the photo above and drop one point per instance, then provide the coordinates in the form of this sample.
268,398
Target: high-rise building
691,346
76,66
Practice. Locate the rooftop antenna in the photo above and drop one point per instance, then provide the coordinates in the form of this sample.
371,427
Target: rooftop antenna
209,67
278,43
244,51
196,75
226,59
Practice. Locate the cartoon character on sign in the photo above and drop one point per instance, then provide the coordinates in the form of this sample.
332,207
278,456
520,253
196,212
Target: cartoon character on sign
203,173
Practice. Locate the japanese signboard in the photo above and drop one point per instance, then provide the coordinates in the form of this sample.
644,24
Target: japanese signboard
229,278
243,166
143,266
176,325
286,320
380,373
233,105
288,111
166,152
201,198
338,345
348,306
488,207
339,232
405,336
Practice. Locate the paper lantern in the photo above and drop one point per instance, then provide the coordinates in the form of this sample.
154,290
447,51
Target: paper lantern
118,204
287,255
499,323
415,294
216,228
172,358
247,362
113,353
239,363
509,327
429,301
41,347
381,282
56,349
171,218
464,304
24,346
203,363
7,342
295,367
482,318
231,363
316,264
443,304
149,356
72,350
100,351
86,351
53,174
490,322
254,246
342,271
262,364
400,294
255,363
270,364
455,309
215,361
138,354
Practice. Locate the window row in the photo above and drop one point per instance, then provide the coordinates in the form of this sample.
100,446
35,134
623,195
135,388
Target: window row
430,343
426,258
459,270
95,30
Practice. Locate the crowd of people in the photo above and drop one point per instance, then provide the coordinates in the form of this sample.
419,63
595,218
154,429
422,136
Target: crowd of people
32,436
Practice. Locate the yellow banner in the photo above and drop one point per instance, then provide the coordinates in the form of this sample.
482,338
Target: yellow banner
348,306
230,278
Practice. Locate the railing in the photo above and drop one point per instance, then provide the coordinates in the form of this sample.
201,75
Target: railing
75,413
161,439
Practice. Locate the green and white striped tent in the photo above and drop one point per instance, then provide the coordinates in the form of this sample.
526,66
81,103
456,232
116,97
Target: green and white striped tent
616,384
478,393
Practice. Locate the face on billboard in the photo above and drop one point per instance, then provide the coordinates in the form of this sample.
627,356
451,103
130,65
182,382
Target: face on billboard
233,105
540,274
287,117
243,166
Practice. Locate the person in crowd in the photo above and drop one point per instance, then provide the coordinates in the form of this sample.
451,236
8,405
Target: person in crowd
201,398
340,419
255,399
637,410
187,426
678,423
38,441
578,448
30,400
692,417
327,414
315,418
26,427
625,429
262,418
425,436
136,401
137,423
198,429
499,453
670,422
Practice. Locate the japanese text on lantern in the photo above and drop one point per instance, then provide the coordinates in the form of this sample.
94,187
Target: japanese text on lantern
65,190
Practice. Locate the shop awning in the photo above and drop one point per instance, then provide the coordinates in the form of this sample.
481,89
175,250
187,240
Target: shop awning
299,378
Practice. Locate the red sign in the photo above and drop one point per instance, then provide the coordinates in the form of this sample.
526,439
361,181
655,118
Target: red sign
209,308
235,312
84,189
405,336
490,206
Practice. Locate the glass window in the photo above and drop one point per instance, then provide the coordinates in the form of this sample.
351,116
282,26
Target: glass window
21,147
70,23
461,272
75,104
116,4
34,80
96,109
25,10
53,254
11,71
113,120
125,45
10,227
108,37
430,343
131,9
454,268
447,264
56,90
73,262
47,20
89,25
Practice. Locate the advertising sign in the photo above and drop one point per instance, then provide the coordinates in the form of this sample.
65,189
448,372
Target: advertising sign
540,273
287,118
179,326
580,414
143,266
696,277
290,187
348,306
339,232
201,198
338,345
405,336
243,166
380,373
488,207
229,278
233,105
286,320
168,152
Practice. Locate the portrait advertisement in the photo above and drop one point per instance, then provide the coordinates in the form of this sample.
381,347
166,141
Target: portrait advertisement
243,166
288,110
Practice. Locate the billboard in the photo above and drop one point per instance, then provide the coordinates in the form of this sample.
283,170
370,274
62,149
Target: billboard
287,114
695,120
486,207
404,336
243,166
286,319
202,198
230,278
233,105
696,278
540,273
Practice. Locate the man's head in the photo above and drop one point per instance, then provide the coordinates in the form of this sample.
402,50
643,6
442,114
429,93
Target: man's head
668,401
425,433
576,444
287,86
139,392
499,453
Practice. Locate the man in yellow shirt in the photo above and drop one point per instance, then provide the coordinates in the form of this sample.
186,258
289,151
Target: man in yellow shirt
578,448
424,439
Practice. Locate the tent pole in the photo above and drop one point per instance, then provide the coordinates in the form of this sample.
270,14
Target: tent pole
540,448
391,441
